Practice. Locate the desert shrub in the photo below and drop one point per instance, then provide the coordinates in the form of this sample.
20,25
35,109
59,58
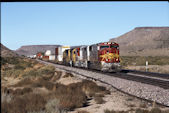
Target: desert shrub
47,85
130,99
31,73
6,90
68,75
3,60
52,106
109,111
82,111
18,66
47,77
99,95
112,111
6,97
23,82
11,60
56,76
70,97
43,83
47,70
143,105
72,100
7,73
141,111
23,91
93,88
26,103
155,110
41,111
12,73
99,99
131,105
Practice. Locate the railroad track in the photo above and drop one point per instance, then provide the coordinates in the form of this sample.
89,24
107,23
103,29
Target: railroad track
123,74
145,80
160,83
150,74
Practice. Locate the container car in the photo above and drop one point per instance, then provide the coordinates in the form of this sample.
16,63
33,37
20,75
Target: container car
59,53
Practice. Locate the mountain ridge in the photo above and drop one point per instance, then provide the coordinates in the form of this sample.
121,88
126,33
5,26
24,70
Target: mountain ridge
6,52
33,49
144,41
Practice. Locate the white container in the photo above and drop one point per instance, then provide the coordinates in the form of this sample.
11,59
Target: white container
51,57
60,52
48,52
34,56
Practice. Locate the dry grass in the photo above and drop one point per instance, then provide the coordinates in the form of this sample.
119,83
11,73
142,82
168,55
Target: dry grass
99,99
52,106
130,99
82,111
68,75
59,97
22,67
91,88
143,105
57,76
140,60
6,97
21,91
112,111
23,104
24,82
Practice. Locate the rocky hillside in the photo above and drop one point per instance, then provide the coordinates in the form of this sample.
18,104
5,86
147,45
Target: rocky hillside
5,52
144,41
33,49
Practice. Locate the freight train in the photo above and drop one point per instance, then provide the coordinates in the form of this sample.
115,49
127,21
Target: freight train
101,56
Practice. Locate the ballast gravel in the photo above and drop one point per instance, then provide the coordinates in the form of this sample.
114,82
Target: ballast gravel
138,89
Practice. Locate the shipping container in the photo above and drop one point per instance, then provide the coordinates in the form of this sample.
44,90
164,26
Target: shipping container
48,52
51,57
59,52
45,58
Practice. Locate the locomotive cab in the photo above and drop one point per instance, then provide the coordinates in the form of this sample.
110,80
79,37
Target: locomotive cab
109,56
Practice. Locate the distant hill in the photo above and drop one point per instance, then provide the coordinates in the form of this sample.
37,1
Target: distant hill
5,52
144,41
33,49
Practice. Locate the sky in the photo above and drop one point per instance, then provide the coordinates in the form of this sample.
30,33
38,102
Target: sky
76,23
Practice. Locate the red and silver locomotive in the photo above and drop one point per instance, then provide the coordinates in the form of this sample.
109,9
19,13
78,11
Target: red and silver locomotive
101,56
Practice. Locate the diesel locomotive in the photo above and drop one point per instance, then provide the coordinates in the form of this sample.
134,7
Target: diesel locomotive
101,56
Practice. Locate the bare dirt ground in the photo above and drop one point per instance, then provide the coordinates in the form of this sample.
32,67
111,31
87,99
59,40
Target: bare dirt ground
151,68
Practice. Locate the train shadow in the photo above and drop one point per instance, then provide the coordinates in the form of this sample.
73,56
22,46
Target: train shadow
125,71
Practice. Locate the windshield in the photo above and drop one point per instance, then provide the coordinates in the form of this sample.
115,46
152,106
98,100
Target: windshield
114,46
106,46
